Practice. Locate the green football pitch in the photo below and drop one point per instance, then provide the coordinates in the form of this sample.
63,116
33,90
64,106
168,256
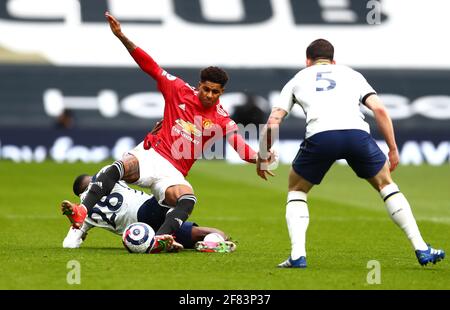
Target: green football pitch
349,227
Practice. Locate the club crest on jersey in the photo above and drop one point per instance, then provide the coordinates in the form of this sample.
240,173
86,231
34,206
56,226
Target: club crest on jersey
189,128
207,124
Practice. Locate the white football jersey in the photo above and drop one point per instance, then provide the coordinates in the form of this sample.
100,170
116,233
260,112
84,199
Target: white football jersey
117,210
330,96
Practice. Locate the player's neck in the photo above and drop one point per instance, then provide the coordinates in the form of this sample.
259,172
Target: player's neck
322,62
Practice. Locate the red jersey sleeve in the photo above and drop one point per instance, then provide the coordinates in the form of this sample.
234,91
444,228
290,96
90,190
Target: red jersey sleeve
244,150
230,129
230,126
167,83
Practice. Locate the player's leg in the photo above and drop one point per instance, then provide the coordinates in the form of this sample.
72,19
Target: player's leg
199,233
75,213
183,198
190,233
135,167
400,212
154,214
397,206
171,189
220,244
127,168
297,219
309,167
369,162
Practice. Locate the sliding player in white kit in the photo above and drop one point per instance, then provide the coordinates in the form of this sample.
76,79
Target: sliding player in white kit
330,96
124,206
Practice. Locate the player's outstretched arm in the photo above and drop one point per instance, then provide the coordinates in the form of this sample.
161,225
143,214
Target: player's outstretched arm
243,149
385,126
145,61
267,138
117,30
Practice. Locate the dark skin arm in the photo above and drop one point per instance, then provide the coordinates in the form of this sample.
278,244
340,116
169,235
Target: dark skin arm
117,30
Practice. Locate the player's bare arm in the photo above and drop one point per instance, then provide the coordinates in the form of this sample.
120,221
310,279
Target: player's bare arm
117,30
385,126
267,139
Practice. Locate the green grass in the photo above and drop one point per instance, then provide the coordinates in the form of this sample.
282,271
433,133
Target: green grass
348,227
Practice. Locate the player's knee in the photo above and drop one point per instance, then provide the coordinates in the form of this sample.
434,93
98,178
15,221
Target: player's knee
175,192
131,172
382,179
298,183
381,182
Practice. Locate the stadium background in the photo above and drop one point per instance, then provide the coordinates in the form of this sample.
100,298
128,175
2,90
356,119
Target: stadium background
60,54
57,55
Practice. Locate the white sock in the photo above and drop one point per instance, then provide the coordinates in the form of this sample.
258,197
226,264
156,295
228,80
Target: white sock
400,212
297,218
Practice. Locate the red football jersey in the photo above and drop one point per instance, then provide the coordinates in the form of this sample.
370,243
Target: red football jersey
187,125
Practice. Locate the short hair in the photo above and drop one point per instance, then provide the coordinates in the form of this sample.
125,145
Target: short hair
215,75
78,187
320,49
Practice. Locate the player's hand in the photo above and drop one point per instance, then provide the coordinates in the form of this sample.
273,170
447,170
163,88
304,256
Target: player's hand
394,159
113,24
262,166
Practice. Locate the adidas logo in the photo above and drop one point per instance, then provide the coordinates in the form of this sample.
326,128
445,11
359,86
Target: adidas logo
182,106
99,184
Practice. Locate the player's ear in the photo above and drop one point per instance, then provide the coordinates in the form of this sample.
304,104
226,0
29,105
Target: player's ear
308,62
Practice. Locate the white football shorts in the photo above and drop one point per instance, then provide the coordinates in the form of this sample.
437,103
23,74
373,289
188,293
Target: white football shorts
156,172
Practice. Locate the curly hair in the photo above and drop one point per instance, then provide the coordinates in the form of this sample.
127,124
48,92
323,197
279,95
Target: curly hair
215,75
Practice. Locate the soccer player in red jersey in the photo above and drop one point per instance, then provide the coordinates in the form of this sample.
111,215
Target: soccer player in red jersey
193,117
